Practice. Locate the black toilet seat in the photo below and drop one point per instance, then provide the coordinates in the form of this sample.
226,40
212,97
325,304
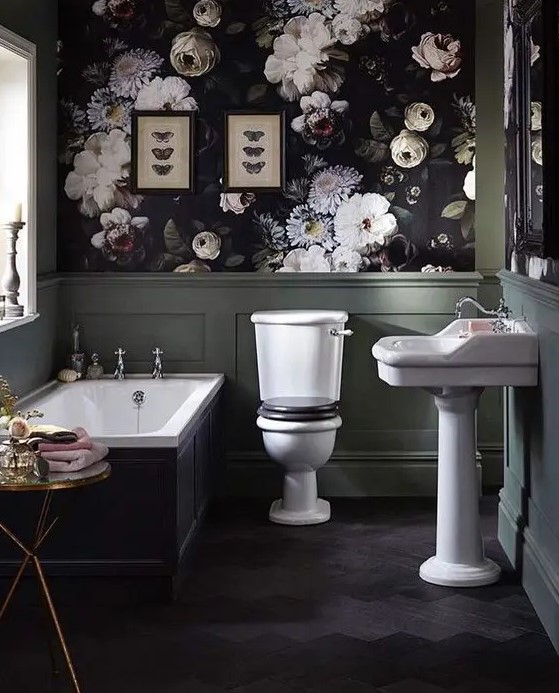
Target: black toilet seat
298,408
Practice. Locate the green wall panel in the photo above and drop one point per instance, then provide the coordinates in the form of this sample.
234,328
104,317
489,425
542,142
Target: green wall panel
529,517
388,441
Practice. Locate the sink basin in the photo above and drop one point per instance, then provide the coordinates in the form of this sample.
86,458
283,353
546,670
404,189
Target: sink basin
455,365
460,356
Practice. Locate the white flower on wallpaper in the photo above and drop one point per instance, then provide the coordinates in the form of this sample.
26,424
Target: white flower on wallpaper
348,29
302,58
207,13
306,227
440,53
419,116
301,260
100,176
206,245
346,259
132,70
537,149
363,223
169,94
408,149
194,53
106,111
536,116
331,186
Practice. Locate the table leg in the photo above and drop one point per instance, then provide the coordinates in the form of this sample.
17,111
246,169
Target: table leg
56,623
41,532
15,583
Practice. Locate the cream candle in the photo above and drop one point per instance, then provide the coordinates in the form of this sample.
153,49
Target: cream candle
10,211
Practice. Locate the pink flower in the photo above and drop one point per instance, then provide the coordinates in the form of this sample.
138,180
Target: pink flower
236,202
440,53
19,428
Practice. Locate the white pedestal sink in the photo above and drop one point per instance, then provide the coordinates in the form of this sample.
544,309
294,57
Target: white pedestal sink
455,365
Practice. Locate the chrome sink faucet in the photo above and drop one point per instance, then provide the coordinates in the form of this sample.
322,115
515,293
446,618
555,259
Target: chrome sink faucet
119,370
157,371
501,313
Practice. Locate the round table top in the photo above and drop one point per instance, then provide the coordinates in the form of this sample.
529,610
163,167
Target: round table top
57,481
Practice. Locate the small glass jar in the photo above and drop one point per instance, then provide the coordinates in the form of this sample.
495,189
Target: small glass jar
17,461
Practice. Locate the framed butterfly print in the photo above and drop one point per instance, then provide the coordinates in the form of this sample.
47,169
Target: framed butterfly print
254,151
163,152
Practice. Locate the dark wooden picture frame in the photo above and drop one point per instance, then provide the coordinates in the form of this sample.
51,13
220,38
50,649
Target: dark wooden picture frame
254,160
542,242
151,152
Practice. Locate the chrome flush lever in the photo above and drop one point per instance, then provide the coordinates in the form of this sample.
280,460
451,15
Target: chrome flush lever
341,333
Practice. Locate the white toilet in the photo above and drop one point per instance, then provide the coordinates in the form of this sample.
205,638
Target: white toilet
300,371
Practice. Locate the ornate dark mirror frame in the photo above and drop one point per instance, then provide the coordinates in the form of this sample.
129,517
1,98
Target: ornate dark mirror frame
542,242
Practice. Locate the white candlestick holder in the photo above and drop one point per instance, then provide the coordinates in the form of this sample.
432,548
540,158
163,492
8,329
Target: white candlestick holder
11,280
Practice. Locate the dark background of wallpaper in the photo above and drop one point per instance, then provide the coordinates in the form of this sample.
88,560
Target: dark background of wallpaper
242,61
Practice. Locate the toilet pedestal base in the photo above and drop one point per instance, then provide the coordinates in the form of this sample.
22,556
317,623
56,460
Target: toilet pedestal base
300,504
316,516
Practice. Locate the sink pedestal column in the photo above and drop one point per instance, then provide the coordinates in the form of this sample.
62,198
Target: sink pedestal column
460,560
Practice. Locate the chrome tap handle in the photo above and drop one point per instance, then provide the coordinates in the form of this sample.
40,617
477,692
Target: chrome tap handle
502,310
157,371
119,370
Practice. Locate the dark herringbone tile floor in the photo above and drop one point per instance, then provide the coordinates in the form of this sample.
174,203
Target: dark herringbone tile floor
337,608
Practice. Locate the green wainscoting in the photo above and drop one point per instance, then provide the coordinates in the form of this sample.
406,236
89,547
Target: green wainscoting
529,507
388,442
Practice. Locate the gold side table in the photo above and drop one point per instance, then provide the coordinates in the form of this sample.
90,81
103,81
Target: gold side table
59,481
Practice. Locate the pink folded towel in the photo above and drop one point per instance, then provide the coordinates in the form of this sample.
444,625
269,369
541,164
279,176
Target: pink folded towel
82,443
74,460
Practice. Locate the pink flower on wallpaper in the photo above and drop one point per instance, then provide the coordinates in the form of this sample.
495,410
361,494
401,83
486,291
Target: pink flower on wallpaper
439,53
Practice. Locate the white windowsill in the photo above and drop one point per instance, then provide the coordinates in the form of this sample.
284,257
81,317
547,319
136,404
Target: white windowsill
12,323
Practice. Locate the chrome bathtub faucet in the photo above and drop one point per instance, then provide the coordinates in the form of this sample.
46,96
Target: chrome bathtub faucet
119,370
500,313
157,371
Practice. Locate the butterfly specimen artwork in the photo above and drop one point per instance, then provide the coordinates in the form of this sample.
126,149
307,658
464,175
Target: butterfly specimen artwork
254,135
162,154
162,169
254,157
163,136
253,151
163,148
254,168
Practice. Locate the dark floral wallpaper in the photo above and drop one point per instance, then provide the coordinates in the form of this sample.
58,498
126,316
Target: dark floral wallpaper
380,118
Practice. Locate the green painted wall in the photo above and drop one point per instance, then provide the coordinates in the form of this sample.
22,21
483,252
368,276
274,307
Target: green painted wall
529,512
26,354
490,138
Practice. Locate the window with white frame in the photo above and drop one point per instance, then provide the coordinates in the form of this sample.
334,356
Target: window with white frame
17,176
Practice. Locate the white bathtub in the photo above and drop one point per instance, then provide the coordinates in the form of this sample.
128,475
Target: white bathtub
106,408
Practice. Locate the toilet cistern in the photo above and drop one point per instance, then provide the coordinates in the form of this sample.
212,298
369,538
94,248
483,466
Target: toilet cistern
455,365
